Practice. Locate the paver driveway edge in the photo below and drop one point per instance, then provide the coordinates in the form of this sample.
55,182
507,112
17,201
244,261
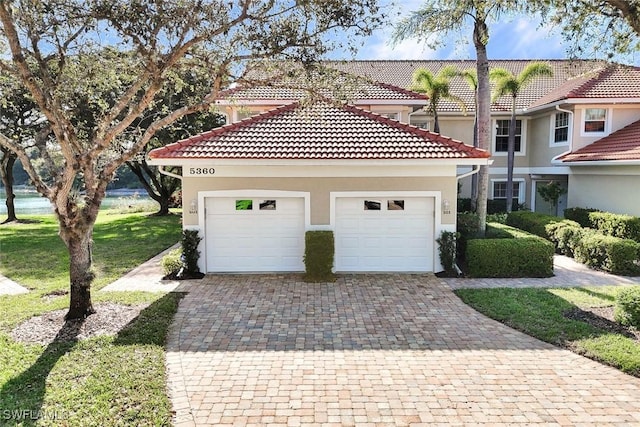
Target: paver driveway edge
372,350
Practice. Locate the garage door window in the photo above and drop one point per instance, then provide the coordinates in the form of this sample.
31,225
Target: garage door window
268,205
372,205
395,205
244,205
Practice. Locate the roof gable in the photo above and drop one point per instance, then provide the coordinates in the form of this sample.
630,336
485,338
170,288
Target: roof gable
623,144
318,131
613,81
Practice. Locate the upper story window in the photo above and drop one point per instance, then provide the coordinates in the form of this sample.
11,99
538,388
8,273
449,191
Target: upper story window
502,136
392,116
561,128
595,120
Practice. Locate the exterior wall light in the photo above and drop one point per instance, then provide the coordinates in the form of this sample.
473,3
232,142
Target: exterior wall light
193,206
446,207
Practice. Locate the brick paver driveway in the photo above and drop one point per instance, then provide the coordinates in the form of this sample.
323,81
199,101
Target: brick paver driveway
372,350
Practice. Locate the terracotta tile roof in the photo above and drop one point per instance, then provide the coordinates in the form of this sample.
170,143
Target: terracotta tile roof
623,144
613,81
318,131
399,73
351,88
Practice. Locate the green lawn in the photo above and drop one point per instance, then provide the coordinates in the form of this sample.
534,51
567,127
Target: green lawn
539,313
112,380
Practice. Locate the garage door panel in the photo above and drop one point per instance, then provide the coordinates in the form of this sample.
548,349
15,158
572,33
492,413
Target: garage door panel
384,240
253,239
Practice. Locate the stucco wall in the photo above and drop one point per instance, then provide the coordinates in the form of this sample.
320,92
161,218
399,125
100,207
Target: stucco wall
610,189
320,189
540,149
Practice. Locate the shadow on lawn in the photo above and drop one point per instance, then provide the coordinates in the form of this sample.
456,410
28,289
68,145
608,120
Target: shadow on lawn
22,397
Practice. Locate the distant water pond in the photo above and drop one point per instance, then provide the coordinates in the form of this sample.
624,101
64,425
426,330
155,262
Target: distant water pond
31,203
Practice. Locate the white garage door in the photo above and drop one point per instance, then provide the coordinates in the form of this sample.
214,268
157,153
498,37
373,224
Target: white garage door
384,234
254,234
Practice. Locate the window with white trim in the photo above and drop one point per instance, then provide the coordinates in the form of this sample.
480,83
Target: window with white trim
561,128
500,190
502,136
392,116
595,121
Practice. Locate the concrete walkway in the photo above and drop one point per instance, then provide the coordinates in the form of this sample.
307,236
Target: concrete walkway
9,287
146,277
567,273
372,350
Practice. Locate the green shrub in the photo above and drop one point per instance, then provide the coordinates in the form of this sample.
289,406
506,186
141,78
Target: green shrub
627,308
500,206
579,215
623,226
447,250
500,218
533,222
464,205
172,263
561,234
608,253
523,255
318,256
468,226
190,253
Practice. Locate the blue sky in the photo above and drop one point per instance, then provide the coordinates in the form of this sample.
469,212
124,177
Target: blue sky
518,37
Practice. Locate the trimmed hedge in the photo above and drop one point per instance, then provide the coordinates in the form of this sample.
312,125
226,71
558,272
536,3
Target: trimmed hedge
533,222
318,256
608,253
493,206
522,255
468,227
623,226
565,235
580,215
627,308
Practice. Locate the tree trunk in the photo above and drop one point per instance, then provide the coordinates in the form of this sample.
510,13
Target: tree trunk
156,187
78,239
6,172
474,177
511,148
480,39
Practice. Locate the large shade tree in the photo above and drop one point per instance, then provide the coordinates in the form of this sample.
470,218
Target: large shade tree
19,118
437,88
431,23
603,27
62,51
511,85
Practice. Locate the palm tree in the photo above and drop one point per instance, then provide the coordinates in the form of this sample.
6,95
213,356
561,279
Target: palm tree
436,87
509,84
431,23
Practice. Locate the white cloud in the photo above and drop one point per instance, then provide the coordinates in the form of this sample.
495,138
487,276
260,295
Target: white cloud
525,38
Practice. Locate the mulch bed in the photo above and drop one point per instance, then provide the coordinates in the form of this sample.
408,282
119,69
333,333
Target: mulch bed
602,318
50,327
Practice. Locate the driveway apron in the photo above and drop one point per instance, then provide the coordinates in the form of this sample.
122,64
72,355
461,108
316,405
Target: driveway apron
372,350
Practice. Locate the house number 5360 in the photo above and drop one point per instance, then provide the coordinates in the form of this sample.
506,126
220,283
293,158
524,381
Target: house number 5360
202,171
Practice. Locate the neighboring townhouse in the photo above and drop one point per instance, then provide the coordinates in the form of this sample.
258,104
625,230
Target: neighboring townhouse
569,129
